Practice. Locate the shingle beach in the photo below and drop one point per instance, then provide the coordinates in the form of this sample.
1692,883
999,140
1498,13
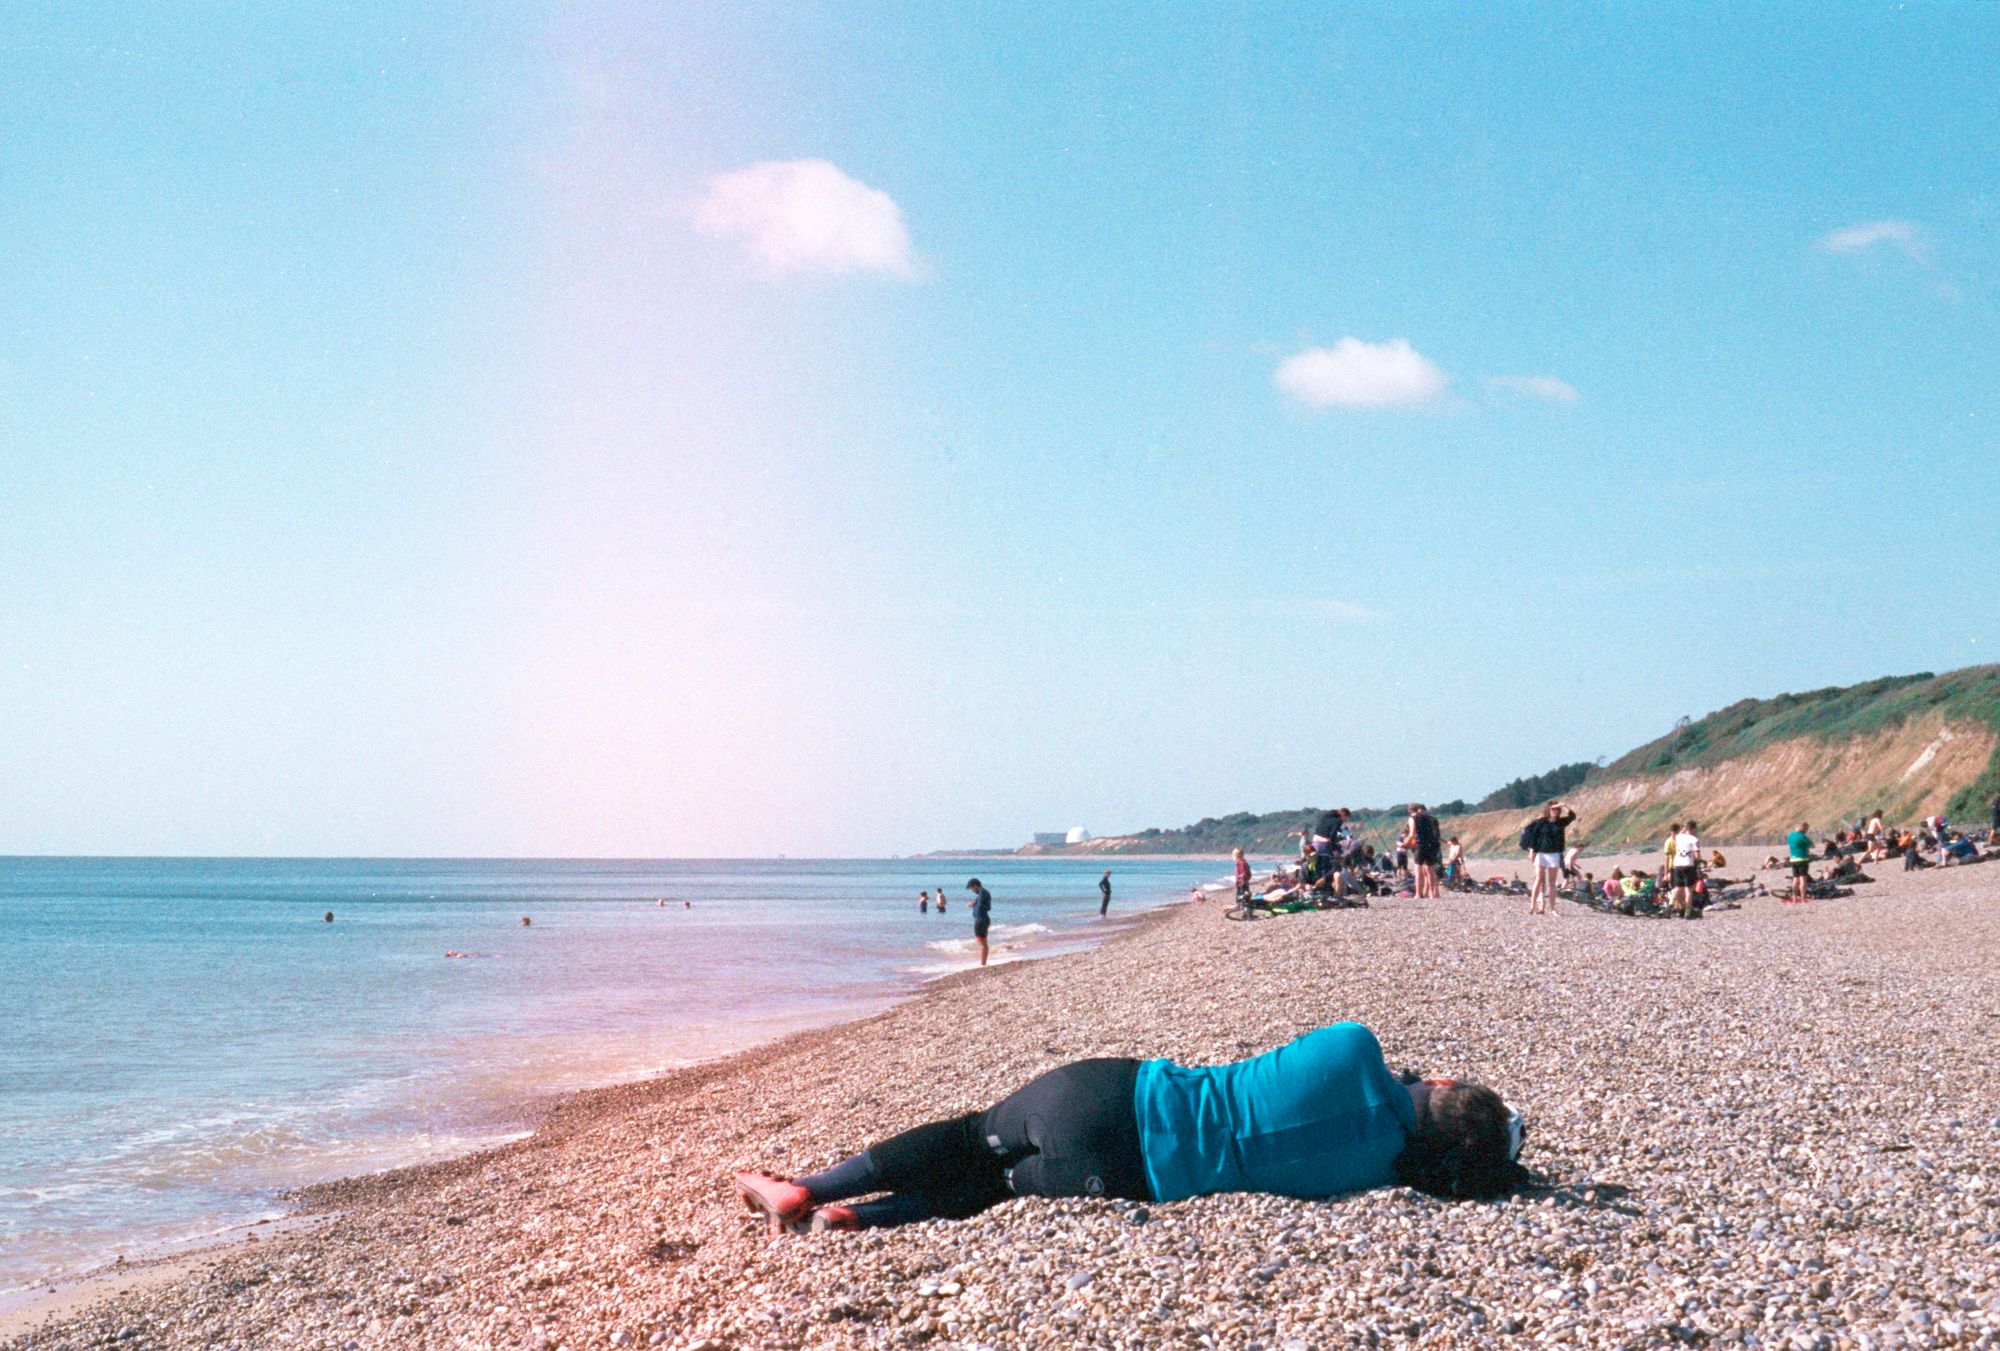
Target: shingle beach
1773,1127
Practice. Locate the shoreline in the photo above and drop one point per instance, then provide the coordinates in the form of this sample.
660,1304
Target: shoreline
1677,1197
142,1267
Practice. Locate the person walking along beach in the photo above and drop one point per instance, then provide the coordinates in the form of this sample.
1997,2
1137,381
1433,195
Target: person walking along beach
982,915
1426,844
1104,890
1545,838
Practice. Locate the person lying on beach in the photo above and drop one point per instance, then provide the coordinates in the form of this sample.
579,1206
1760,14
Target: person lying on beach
1314,1118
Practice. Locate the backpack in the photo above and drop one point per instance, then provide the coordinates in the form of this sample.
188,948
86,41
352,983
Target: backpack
1530,837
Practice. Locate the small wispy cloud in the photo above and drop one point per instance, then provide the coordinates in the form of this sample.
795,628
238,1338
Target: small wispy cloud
1357,374
1545,387
1902,235
806,215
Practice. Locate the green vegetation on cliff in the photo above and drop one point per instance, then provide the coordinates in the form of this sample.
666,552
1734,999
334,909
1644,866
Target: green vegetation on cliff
1743,729
1536,788
1836,713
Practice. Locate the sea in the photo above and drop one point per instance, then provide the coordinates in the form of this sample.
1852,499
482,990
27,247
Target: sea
183,1040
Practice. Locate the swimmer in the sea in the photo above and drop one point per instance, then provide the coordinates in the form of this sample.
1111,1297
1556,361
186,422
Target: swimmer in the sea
1317,1117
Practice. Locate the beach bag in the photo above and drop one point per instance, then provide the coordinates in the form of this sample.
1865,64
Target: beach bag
1530,837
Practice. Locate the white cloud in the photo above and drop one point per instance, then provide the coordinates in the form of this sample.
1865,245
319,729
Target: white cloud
1896,234
1535,387
1357,374
805,215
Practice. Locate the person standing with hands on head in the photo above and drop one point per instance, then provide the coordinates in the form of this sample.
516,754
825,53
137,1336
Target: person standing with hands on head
1427,845
982,915
1545,838
1104,890
1798,844
1687,869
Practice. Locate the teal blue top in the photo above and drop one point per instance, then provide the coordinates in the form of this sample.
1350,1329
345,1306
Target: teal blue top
1800,845
1316,1117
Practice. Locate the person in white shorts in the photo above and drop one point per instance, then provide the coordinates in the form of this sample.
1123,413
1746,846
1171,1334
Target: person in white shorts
1686,865
1546,838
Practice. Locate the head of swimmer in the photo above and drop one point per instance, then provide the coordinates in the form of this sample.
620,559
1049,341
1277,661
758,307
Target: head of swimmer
1461,1147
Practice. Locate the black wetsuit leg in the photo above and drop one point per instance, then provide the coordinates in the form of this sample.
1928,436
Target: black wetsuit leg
1073,1131
945,1165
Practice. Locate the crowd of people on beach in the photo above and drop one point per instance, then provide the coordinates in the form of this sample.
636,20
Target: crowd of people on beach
1688,879
1337,867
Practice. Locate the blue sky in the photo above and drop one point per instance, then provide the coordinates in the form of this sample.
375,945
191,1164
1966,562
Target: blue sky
621,429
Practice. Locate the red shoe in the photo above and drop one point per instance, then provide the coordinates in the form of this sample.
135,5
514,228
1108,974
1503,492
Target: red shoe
835,1219
779,1199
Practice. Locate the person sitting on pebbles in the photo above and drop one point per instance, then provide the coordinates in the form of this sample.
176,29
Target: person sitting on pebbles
1314,1118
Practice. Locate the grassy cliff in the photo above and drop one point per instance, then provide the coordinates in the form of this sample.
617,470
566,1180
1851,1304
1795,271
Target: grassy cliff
1906,745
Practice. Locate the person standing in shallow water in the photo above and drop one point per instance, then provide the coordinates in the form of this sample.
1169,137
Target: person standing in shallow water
1104,890
982,915
940,899
924,902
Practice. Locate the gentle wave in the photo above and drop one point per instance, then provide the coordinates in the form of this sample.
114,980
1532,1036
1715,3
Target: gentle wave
255,1047
1001,933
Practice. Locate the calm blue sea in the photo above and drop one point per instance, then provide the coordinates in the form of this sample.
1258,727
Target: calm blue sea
182,1039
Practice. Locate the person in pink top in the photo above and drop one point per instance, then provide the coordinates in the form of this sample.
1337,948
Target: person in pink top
1242,877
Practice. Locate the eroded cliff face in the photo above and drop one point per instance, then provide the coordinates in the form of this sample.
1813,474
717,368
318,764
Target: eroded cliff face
1906,773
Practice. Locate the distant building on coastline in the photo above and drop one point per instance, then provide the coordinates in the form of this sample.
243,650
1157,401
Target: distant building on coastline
1077,835
1048,837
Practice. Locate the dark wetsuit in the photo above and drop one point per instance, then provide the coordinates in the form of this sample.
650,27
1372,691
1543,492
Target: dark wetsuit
1073,1131
982,912
1104,888
1316,1117
1430,849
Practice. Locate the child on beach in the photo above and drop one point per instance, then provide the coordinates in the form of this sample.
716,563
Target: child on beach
1314,1118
